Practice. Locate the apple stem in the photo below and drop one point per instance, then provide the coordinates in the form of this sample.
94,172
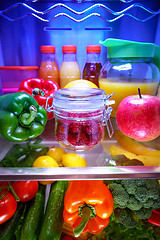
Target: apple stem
139,92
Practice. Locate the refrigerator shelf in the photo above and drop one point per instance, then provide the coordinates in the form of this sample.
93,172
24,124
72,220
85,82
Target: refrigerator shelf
98,160
115,14
87,173
79,1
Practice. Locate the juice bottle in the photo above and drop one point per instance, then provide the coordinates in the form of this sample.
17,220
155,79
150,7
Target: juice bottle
93,65
48,68
69,70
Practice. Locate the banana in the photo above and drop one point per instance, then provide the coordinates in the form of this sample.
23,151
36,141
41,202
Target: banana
147,160
135,147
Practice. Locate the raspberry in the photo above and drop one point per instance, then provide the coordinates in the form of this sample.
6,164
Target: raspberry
77,132
74,139
92,128
74,127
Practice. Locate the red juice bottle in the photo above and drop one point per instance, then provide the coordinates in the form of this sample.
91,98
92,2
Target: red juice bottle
93,65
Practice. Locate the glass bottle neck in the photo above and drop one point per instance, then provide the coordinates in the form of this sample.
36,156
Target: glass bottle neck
69,57
48,57
93,57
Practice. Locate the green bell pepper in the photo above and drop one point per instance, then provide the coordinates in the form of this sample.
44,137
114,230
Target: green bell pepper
21,117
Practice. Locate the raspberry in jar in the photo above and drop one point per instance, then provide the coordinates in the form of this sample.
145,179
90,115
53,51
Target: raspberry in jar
80,116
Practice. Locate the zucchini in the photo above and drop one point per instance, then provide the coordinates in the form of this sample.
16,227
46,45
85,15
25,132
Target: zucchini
53,219
33,218
7,229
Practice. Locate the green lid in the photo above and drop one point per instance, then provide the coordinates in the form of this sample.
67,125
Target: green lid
123,48
156,58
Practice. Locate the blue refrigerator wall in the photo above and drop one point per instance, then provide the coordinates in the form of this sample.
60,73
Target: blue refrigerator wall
20,40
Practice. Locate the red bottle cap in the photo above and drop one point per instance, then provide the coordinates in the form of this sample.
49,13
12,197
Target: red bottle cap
47,49
69,49
93,48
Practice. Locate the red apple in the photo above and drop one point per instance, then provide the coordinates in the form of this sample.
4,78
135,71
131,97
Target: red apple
138,117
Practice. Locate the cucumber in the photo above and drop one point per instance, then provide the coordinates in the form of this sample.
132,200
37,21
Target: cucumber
53,220
23,155
18,229
34,153
7,229
33,218
17,151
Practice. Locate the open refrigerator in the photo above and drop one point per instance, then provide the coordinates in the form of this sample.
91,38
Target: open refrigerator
27,25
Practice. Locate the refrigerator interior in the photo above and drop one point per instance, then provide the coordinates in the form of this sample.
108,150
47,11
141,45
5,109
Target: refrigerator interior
26,25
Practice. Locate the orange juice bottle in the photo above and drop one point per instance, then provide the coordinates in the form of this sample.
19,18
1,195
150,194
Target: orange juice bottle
69,70
48,68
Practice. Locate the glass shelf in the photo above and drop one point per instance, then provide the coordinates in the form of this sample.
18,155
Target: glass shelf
72,13
87,173
97,160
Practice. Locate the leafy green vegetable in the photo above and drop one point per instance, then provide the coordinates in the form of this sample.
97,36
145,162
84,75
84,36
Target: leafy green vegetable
134,199
117,231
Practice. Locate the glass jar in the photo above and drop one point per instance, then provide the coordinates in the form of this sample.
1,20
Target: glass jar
80,115
130,66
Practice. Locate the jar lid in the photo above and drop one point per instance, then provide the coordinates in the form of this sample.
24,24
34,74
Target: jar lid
123,48
47,49
69,49
79,98
93,48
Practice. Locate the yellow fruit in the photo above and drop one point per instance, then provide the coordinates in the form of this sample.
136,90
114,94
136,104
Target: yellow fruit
56,153
147,160
45,161
73,160
133,146
81,84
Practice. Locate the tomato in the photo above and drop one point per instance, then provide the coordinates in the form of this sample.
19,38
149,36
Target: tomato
25,190
8,206
4,183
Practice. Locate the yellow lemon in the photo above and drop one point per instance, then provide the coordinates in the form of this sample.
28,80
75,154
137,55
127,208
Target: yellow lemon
45,161
56,153
81,84
73,160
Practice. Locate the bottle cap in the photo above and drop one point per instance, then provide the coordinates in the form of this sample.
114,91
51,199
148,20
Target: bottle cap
69,49
47,49
93,48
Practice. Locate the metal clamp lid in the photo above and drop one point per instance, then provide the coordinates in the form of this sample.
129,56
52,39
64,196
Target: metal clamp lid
106,121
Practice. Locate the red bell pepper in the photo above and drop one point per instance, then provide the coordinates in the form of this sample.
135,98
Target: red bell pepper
67,238
87,206
155,217
40,89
